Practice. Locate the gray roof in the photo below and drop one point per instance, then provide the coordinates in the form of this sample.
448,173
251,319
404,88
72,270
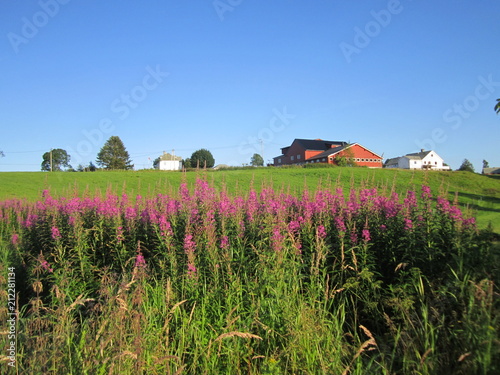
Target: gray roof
418,155
494,170
167,156
392,161
315,144
330,151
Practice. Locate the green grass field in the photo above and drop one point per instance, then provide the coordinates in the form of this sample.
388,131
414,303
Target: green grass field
476,192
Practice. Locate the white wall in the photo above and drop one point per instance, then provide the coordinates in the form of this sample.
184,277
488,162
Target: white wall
170,165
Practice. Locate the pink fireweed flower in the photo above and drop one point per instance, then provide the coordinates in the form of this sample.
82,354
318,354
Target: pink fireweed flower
46,266
55,233
354,236
165,227
15,239
71,220
426,192
224,242
339,223
321,232
408,224
411,199
140,262
191,271
470,222
30,220
294,226
365,234
119,234
277,239
189,244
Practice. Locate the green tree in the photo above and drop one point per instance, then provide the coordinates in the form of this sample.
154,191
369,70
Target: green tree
55,159
497,107
486,164
466,166
202,158
156,162
113,155
256,160
346,158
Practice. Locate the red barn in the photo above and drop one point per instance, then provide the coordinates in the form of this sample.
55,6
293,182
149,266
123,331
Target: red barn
303,151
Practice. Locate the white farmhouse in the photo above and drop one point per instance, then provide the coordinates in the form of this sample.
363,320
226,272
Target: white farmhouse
429,160
169,162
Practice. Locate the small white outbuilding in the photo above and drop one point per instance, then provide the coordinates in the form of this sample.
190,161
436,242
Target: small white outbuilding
170,162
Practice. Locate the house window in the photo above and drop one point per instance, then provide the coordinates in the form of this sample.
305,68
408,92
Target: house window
279,161
292,158
415,162
298,157
436,162
323,159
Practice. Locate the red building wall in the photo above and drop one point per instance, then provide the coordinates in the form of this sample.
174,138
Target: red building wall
362,156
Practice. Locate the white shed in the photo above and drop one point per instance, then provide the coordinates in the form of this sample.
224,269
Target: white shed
169,162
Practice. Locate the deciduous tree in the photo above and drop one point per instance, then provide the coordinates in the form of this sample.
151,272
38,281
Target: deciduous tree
257,160
202,158
55,159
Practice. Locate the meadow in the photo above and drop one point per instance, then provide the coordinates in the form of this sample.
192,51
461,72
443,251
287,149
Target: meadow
295,271
475,192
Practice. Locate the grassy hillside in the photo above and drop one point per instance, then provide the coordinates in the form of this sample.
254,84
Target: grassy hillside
477,192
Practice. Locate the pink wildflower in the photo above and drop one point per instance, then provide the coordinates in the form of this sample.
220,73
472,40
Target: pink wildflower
321,232
224,242
55,233
365,233
46,266
15,239
339,223
119,234
277,239
189,244
191,271
294,226
426,192
408,224
140,262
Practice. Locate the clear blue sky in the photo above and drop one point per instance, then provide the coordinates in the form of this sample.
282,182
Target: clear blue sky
394,76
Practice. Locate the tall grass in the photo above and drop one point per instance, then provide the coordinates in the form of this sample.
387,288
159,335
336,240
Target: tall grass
204,281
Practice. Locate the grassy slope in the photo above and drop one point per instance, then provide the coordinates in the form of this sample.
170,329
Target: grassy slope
481,193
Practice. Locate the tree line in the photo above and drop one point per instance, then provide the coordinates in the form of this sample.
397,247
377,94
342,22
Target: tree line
114,156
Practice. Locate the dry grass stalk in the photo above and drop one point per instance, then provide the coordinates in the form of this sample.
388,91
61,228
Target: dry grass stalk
424,357
244,335
368,345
